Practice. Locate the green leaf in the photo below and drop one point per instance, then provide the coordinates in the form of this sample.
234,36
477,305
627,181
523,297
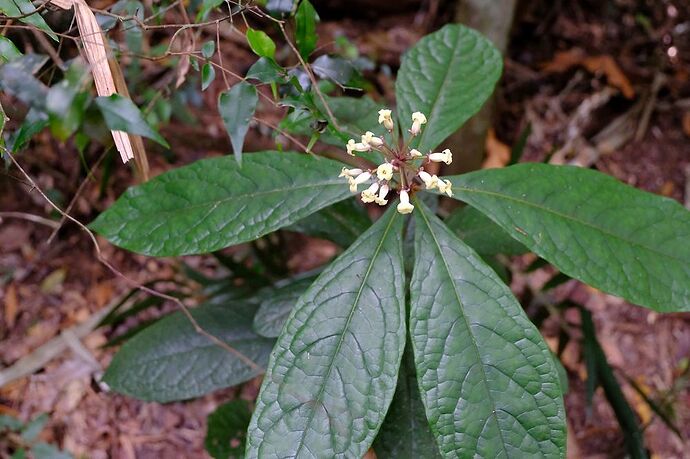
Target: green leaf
213,203
120,114
16,78
170,360
266,71
405,434
45,451
227,423
487,379
596,359
593,228
305,28
16,8
447,75
333,371
276,304
260,43
32,430
342,223
237,108
8,52
482,234
208,74
333,68
208,48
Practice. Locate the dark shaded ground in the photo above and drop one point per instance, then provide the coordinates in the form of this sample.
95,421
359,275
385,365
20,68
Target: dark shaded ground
569,103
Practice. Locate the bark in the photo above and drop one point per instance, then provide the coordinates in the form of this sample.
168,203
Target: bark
493,18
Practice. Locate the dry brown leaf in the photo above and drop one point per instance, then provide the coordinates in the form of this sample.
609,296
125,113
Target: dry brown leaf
497,153
11,306
686,123
95,51
370,454
605,64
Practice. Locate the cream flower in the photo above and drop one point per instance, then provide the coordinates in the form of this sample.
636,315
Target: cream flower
370,139
414,153
444,186
431,181
404,206
361,178
350,172
353,146
418,119
386,119
369,195
444,157
385,171
381,198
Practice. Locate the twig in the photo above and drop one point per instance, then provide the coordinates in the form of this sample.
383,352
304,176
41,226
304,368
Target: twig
48,351
131,282
31,218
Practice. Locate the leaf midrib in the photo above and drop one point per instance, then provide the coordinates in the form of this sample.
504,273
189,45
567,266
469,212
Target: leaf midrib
218,202
345,328
567,217
467,324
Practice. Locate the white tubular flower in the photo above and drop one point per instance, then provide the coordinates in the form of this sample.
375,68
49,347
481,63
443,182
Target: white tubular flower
350,172
353,146
444,186
361,178
404,206
385,171
386,119
418,119
369,195
414,153
431,181
370,139
381,198
444,157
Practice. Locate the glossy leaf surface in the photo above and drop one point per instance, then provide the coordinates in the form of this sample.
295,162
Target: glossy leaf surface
171,361
447,75
215,203
593,228
120,114
236,108
487,379
333,371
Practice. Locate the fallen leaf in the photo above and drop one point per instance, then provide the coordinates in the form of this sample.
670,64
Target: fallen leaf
497,153
11,306
53,281
686,123
565,60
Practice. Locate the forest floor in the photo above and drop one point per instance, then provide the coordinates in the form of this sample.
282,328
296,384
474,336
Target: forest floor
603,84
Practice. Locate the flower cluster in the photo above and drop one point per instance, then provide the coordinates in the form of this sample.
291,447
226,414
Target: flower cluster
403,169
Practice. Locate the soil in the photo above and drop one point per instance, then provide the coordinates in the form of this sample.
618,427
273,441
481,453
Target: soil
566,99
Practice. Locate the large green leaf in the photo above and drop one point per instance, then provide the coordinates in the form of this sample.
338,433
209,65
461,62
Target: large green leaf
591,227
170,360
237,108
487,379
275,305
482,234
342,223
333,371
447,75
405,433
214,203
